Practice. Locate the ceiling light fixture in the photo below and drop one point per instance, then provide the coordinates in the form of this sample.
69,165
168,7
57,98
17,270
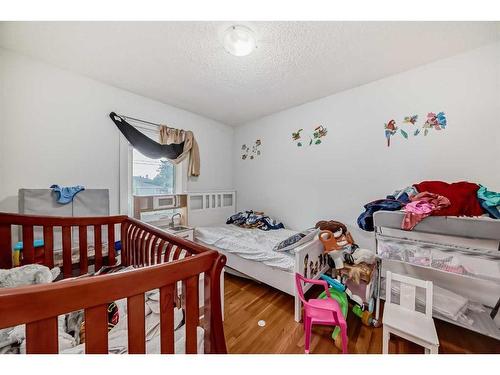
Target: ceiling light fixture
239,40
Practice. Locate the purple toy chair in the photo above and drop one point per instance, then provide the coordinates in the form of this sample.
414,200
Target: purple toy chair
321,311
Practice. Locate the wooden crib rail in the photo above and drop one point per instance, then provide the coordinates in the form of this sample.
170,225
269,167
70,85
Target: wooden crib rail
38,306
29,222
142,244
146,245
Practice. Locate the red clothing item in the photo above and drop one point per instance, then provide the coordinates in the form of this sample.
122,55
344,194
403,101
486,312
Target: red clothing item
462,195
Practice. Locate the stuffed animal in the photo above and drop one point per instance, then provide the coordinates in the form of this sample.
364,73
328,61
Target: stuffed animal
336,240
340,234
27,275
331,247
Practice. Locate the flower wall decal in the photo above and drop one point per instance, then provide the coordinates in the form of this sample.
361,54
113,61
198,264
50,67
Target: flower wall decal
433,121
251,152
319,132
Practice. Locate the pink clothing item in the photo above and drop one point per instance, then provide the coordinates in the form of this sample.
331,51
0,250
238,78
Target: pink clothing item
422,205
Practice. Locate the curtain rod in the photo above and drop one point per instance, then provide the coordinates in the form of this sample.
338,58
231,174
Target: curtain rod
139,120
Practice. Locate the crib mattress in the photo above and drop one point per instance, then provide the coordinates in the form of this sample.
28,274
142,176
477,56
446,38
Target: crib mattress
75,254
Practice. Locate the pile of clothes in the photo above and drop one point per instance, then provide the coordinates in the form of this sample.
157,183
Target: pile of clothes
254,219
436,198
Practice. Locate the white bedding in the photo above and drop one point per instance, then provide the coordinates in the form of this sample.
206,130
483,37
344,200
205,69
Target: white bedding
251,244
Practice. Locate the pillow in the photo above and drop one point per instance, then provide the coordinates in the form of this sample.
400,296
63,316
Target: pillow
296,240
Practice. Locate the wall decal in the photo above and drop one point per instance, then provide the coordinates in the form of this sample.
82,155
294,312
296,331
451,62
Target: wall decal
437,122
433,121
390,130
411,119
318,133
251,153
296,137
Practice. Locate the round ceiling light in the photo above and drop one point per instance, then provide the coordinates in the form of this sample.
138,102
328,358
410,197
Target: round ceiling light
239,40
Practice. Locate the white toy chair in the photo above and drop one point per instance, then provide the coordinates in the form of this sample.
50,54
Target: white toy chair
403,320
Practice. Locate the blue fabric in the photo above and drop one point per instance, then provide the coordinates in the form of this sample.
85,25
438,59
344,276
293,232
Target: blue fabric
403,198
493,211
36,243
365,220
490,201
65,195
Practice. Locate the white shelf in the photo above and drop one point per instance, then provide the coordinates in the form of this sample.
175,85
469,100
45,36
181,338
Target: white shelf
467,276
482,323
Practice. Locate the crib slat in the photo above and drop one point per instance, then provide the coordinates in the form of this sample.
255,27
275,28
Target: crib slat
96,330
83,245
130,245
151,247
190,294
142,247
177,253
97,248
207,312
144,238
147,249
67,256
111,245
28,249
154,249
168,250
159,249
41,337
5,246
136,324
137,246
124,242
167,319
48,243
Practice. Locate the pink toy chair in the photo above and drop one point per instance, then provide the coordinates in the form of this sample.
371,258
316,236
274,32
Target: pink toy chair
321,311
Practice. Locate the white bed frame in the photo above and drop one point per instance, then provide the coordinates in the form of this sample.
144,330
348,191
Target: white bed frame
213,208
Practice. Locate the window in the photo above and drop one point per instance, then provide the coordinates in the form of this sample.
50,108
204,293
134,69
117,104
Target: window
150,176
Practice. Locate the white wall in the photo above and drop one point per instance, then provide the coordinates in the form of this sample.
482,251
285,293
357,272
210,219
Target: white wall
55,129
354,165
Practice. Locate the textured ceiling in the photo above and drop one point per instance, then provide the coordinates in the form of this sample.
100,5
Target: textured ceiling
185,65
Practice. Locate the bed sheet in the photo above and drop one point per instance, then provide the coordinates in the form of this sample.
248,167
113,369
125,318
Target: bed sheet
251,244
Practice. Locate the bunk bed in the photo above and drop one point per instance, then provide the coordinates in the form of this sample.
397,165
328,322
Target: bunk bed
441,249
160,261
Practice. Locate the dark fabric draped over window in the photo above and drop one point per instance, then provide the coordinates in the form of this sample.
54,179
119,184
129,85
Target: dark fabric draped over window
143,143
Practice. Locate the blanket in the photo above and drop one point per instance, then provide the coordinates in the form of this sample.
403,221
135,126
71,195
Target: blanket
254,219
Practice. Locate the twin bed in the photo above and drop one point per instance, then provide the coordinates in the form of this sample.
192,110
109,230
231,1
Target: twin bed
250,251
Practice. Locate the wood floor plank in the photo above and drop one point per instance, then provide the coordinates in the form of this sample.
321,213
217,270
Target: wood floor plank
247,302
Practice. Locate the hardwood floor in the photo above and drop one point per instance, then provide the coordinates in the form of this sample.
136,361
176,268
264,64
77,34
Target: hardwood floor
247,302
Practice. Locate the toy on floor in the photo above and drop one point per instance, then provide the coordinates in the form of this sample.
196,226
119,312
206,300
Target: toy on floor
333,282
337,292
365,315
